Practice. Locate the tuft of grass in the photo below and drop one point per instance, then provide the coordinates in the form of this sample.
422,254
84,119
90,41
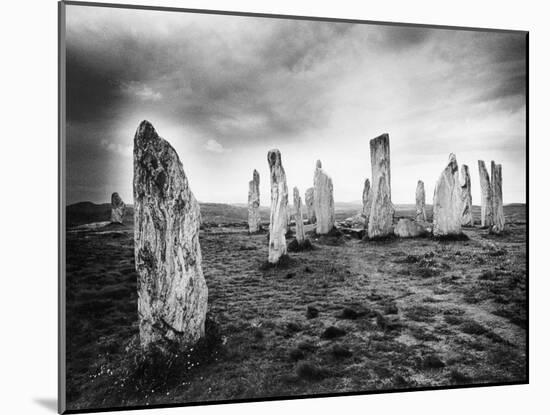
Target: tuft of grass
311,312
306,346
387,324
453,319
472,327
311,371
297,354
340,351
432,361
333,332
421,313
348,313
459,378
293,327
391,308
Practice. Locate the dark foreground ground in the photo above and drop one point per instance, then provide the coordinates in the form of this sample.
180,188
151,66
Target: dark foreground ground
395,314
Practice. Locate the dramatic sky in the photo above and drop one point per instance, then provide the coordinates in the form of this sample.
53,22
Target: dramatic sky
223,90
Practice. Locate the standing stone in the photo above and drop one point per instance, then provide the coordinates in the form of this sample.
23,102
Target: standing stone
278,219
366,198
300,234
447,201
421,202
323,200
310,204
486,196
172,292
254,222
118,208
496,191
466,196
381,212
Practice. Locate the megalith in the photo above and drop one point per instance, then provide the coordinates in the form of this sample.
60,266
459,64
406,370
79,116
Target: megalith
381,211
366,198
172,291
486,195
446,204
496,191
420,202
254,221
118,208
323,200
278,219
466,217
299,218
310,204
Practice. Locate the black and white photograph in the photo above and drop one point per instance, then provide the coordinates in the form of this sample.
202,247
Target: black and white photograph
262,207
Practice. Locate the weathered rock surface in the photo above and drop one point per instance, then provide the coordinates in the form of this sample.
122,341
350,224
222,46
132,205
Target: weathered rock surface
420,202
323,200
466,196
496,191
118,208
380,221
278,220
172,291
447,201
299,218
407,228
486,195
310,204
254,221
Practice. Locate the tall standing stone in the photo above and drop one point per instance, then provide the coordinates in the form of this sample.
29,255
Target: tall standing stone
323,200
366,199
486,195
118,208
447,201
278,219
300,234
310,205
172,291
466,196
381,211
496,191
254,222
420,202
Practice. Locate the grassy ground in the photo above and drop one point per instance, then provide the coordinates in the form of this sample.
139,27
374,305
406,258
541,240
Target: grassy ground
351,316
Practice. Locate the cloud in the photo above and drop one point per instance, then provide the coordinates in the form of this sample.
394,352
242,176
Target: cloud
215,147
121,150
141,91
313,89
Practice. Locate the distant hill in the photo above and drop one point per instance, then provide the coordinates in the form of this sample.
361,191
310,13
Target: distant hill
88,212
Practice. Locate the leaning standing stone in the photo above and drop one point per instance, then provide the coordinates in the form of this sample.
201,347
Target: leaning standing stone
496,187
172,292
447,212
466,197
323,200
381,212
309,205
279,201
486,195
420,202
254,222
300,234
118,208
